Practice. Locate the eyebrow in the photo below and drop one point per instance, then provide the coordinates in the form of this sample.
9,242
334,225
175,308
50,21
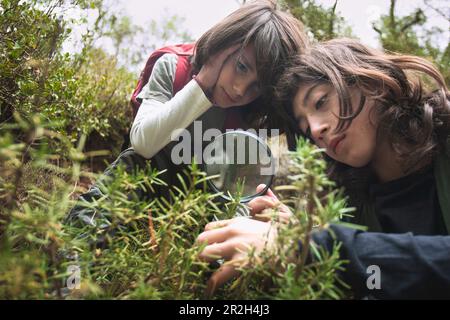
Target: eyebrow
306,98
308,93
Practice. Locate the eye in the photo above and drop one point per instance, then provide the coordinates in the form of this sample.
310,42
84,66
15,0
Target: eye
241,67
321,101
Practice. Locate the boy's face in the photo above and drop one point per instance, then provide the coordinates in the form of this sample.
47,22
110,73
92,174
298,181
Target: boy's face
238,81
316,111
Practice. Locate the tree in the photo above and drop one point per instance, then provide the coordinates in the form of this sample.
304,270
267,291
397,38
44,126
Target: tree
133,43
399,34
84,93
322,23
87,91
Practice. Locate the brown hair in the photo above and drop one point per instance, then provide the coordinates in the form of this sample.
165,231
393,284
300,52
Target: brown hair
416,120
276,36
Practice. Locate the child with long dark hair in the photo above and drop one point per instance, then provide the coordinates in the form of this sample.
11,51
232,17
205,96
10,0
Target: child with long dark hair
386,135
229,84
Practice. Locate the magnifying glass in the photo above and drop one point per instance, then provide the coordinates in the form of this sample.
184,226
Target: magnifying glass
237,162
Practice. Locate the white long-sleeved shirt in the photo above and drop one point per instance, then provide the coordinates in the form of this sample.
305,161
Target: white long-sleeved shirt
161,112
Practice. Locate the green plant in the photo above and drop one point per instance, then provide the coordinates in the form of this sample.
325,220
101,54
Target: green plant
283,273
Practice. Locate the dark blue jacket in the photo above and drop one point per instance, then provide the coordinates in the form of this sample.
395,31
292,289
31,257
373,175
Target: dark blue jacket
411,266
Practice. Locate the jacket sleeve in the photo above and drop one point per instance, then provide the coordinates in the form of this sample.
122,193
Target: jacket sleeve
410,266
161,113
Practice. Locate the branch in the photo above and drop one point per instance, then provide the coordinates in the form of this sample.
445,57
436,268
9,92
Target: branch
332,18
413,22
374,27
392,15
439,12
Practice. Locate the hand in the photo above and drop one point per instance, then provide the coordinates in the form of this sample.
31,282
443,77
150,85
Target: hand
232,240
261,208
210,71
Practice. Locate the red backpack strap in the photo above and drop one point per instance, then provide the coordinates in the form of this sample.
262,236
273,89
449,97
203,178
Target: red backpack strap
143,80
183,71
184,51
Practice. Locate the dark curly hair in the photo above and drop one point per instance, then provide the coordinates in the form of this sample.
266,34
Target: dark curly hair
415,118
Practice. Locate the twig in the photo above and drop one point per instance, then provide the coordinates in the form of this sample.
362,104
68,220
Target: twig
439,12
152,231
413,22
307,239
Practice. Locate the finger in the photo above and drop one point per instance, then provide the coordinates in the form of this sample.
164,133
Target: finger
217,224
260,203
223,56
230,51
221,276
216,251
214,235
263,216
210,71
260,188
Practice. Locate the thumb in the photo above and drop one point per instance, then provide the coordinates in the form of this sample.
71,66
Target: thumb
269,191
271,194
260,188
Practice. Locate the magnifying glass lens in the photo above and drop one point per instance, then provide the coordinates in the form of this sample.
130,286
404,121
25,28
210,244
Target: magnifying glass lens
238,161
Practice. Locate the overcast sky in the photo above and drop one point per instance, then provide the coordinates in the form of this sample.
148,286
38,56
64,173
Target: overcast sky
200,15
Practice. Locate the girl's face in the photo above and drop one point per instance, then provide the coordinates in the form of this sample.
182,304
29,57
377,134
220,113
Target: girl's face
237,84
316,110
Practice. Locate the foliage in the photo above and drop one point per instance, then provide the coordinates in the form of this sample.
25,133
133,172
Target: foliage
128,42
399,34
281,272
85,95
30,41
87,92
31,232
54,106
147,249
322,23
133,248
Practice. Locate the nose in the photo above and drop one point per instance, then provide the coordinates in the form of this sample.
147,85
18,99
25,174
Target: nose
243,85
239,89
318,129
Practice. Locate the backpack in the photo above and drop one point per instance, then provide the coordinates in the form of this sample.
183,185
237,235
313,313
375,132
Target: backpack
184,52
182,75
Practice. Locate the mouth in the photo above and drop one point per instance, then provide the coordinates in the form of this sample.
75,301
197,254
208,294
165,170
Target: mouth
335,143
